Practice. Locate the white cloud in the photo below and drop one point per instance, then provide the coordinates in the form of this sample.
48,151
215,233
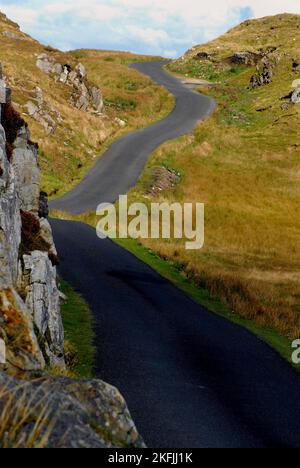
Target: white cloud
85,9
151,26
148,35
26,16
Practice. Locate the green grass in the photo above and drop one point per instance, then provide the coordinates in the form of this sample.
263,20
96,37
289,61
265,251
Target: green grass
77,321
172,273
205,71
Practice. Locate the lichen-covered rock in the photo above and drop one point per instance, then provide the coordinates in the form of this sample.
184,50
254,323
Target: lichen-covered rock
10,220
78,414
27,173
42,299
46,235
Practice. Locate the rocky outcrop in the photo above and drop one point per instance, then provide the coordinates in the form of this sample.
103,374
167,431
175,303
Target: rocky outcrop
67,414
265,71
28,285
26,171
84,96
41,111
42,299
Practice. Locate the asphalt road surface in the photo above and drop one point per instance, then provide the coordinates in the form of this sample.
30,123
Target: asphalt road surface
190,378
121,166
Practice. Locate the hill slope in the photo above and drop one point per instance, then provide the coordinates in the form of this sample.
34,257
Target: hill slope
70,139
278,34
243,163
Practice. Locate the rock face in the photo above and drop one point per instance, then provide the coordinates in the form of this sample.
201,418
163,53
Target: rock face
27,174
83,96
28,286
42,299
40,410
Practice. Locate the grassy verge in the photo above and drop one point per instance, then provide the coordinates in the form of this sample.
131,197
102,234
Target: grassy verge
172,273
77,321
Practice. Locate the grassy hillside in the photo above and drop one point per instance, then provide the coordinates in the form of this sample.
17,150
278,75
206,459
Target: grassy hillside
80,137
244,163
279,33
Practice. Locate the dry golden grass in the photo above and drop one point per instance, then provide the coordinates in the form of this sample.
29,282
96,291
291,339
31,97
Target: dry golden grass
20,426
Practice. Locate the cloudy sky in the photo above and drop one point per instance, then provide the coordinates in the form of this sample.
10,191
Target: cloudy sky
164,27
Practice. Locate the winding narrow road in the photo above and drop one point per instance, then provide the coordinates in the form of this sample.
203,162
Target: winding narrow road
121,166
190,378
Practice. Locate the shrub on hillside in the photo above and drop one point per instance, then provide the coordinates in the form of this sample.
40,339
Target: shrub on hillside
12,122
